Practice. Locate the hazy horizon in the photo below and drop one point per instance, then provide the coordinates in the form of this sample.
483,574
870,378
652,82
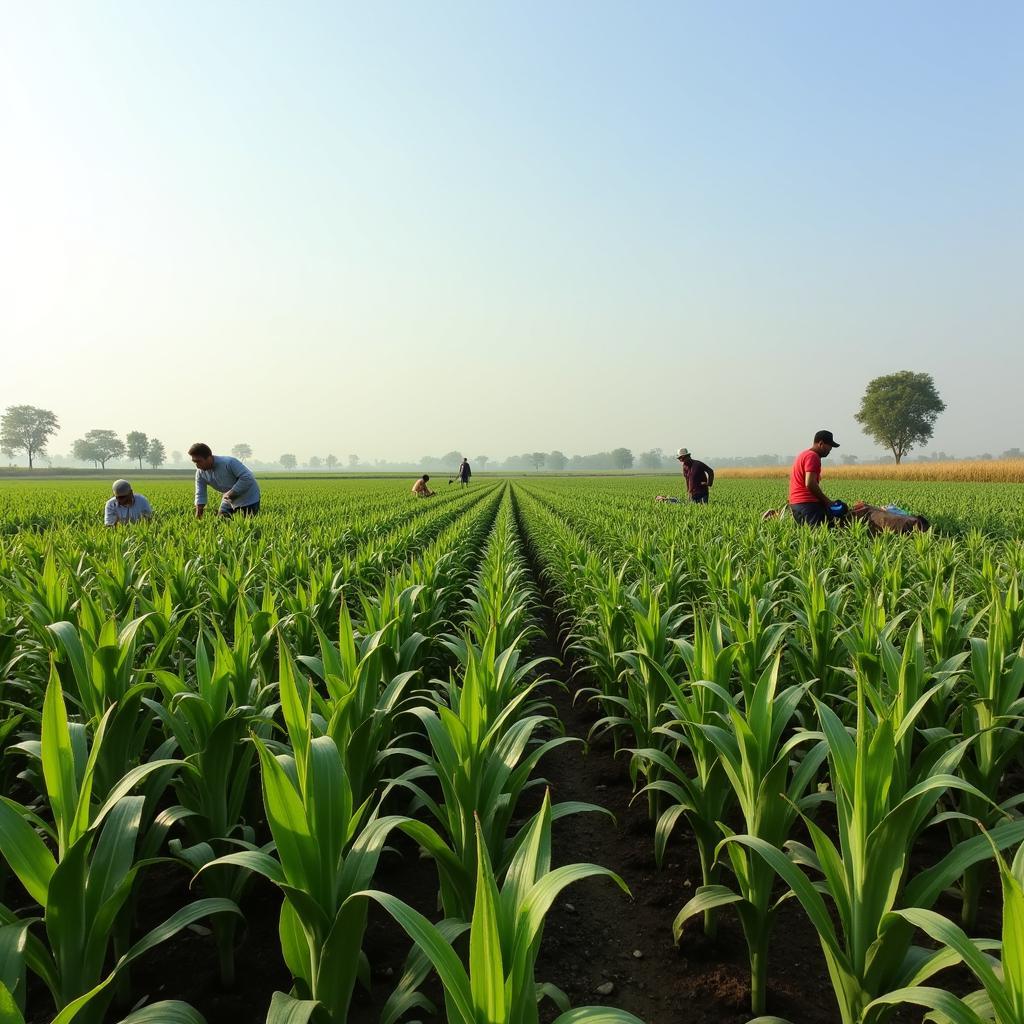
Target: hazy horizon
402,230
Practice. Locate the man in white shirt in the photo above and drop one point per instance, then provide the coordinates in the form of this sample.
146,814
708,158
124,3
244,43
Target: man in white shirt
239,491
126,506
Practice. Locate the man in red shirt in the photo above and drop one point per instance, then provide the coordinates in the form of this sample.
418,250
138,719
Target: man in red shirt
807,501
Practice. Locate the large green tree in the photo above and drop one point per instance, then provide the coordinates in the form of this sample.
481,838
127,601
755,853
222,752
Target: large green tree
156,456
288,461
137,445
25,428
899,411
242,451
99,446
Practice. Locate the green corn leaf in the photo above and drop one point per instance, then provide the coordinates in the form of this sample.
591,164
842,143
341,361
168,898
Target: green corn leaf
286,1009
27,854
953,1010
435,946
486,969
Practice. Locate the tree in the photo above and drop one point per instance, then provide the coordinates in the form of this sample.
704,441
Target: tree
652,459
288,461
622,458
849,460
451,460
353,461
242,451
315,462
155,454
25,428
899,411
331,461
538,459
84,452
99,446
175,458
137,445
556,461
481,461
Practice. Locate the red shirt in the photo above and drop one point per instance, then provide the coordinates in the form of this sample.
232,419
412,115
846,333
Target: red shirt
806,462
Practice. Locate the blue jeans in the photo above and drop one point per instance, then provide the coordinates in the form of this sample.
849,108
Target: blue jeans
244,510
810,513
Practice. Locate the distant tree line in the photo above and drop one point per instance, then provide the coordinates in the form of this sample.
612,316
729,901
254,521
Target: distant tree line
898,411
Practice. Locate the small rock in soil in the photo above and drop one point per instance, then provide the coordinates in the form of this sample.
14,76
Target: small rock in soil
570,908
637,954
605,988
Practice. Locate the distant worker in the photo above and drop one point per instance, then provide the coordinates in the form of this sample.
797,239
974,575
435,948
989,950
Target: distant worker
239,491
698,475
126,506
420,488
807,501
464,473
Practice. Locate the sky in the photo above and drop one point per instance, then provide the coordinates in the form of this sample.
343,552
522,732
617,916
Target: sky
396,229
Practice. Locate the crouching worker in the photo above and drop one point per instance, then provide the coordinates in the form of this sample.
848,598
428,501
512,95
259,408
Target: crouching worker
126,506
420,488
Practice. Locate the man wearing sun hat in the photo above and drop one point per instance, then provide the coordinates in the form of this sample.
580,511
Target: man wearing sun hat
698,475
126,506
807,501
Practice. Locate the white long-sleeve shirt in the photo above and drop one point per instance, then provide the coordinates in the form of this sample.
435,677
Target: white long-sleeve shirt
228,474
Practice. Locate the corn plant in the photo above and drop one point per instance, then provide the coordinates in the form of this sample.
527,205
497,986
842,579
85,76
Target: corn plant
704,797
327,848
772,784
82,889
865,875
499,986
992,710
363,706
1001,996
210,732
482,756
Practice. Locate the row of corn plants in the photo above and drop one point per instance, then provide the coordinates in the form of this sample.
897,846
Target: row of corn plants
278,706
768,684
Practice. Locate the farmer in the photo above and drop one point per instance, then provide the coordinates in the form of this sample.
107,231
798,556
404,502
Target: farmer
420,488
464,472
126,506
698,475
239,491
807,501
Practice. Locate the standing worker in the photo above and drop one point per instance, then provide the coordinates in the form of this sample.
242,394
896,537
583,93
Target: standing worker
126,506
464,472
807,501
698,475
239,491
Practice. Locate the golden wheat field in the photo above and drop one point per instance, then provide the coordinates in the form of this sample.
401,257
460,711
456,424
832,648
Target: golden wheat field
980,471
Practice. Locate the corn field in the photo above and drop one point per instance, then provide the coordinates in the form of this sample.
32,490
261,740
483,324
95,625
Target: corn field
209,718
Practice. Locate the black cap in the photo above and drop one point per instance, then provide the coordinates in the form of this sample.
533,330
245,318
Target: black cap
826,436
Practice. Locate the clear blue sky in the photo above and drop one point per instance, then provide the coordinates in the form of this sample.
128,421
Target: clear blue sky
395,229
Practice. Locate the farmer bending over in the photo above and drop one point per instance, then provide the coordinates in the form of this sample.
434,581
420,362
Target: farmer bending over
420,488
126,506
239,491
